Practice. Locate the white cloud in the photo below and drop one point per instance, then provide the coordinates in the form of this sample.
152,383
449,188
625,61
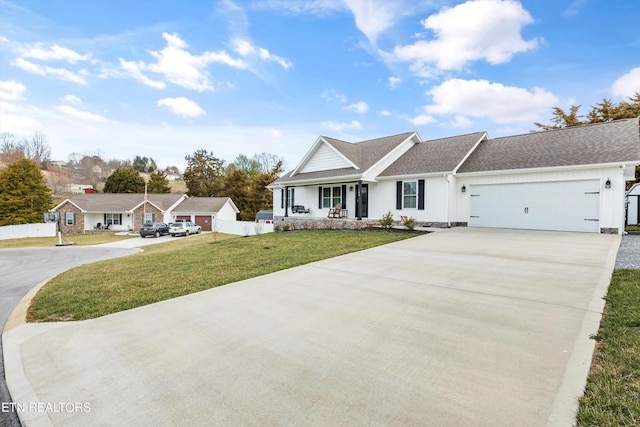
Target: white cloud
182,107
331,94
14,117
373,17
385,113
422,119
477,30
339,127
133,69
52,53
11,90
180,67
358,107
81,115
627,85
482,99
394,82
49,72
70,99
244,48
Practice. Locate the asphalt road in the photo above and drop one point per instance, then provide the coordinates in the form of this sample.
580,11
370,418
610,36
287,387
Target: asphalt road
21,270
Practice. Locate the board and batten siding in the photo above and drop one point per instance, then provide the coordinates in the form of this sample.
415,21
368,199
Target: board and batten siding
382,199
611,210
325,158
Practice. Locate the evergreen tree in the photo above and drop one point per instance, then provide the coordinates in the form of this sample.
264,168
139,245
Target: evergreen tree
236,186
24,194
124,180
158,183
204,175
605,111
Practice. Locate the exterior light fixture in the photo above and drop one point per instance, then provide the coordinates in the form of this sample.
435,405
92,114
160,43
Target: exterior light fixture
607,183
463,189
351,188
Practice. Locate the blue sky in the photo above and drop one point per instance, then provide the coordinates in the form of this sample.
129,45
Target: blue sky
164,78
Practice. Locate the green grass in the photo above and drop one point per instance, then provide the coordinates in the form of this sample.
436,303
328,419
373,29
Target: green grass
78,239
186,266
612,395
634,228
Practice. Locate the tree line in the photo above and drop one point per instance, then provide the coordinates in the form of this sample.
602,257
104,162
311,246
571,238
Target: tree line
604,111
244,180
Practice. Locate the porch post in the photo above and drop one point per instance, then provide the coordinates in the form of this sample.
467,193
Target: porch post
286,201
359,197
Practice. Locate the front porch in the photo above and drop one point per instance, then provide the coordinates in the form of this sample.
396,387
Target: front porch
306,222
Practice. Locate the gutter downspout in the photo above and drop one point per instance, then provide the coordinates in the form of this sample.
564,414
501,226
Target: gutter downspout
446,177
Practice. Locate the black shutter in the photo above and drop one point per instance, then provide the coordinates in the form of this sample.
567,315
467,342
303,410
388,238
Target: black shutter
120,219
398,194
421,194
344,197
293,193
282,198
104,221
319,197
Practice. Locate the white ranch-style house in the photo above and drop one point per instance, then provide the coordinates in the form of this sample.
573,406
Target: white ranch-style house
570,179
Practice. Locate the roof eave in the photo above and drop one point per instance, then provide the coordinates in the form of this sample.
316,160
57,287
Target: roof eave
549,168
484,137
315,181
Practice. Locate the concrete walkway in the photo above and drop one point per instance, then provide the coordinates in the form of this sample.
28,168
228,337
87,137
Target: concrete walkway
459,327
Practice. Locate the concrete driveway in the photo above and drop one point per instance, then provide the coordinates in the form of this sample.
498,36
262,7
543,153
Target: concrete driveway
459,327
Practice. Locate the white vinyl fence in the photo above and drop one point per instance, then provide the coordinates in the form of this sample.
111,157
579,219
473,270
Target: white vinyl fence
241,228
47,229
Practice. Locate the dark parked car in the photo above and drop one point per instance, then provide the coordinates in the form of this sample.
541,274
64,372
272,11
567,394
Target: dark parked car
155,229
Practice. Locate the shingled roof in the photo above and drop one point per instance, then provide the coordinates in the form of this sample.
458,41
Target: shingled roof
363,154
202,204
122,202
612,142
438,155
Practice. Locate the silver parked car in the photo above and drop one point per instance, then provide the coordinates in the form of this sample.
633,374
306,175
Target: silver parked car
184,228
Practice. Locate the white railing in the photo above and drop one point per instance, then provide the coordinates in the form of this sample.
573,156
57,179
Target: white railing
47,229
241,228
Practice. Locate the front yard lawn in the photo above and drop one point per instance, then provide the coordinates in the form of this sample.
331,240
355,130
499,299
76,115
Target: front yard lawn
78,239
612,395
187,266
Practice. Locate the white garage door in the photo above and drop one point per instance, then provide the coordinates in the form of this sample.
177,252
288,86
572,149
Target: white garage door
563,206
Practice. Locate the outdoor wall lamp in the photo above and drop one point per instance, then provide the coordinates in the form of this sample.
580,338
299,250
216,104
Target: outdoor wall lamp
463,189
351,188
607,183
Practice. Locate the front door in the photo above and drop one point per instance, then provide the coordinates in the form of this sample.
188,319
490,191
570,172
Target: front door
364,195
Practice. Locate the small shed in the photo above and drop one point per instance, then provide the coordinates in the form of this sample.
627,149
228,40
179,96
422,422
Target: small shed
264,216
633,205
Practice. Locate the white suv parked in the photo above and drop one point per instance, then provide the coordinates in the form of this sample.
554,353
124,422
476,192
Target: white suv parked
184,228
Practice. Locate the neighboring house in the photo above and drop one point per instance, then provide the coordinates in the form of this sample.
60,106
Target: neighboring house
205,210
121,211
79,188
570,179
633,205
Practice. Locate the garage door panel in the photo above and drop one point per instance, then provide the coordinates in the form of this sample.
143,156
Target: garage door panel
564,206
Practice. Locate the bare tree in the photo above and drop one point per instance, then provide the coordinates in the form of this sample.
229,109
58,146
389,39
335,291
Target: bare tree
37,149
10,148
268,161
